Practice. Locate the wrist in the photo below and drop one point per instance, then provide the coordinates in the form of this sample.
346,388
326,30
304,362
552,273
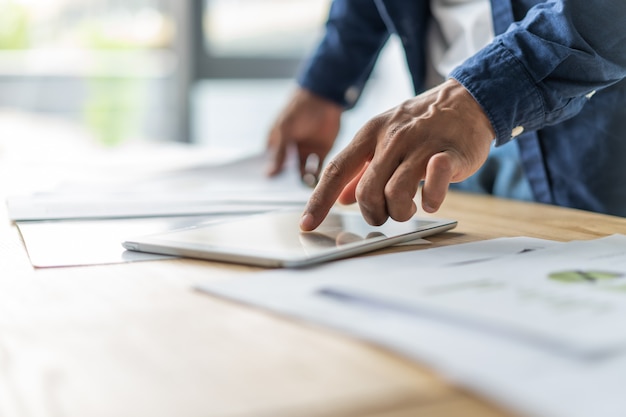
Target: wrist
477,118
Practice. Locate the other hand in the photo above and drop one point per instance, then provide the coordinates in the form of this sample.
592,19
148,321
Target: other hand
309,123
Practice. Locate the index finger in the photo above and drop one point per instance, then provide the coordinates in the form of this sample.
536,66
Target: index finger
339,172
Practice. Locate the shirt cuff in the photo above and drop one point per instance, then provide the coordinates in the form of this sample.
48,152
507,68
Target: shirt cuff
504,89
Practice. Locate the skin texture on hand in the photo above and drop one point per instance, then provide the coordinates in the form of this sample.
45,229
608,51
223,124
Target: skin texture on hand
310,124
440,136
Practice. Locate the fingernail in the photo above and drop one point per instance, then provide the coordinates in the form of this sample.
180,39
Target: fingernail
309,180
428,208
306,222
311,168
312,164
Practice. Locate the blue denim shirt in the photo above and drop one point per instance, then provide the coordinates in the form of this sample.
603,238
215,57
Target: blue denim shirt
553,78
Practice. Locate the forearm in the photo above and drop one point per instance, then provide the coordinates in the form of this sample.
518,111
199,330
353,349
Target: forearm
342,63
542,70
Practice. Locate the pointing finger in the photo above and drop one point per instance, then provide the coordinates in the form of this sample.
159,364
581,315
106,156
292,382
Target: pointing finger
339,172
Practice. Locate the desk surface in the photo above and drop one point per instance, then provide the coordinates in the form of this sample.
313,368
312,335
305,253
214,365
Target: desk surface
135,340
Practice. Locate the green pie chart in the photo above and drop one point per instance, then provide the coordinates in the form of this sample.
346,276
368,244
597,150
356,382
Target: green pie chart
584,276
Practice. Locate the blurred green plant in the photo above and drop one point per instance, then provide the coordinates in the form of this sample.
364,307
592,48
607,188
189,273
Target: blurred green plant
95,34
112,42
112,109
14,26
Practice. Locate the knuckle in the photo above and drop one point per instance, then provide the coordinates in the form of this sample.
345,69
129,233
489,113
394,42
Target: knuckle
365,197
372,208
396,194
394,134
334,169
369,132
395,131
333,173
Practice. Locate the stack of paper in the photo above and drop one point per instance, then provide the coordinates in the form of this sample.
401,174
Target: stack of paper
84,224
536,326
235,187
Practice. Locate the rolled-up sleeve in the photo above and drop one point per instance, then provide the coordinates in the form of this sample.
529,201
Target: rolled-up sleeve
339,68
544,68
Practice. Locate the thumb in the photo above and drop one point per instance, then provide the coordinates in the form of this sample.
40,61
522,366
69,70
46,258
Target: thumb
439,174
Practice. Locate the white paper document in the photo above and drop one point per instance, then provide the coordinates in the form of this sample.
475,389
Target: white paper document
480,314
238,186
84,223
93,242
571,298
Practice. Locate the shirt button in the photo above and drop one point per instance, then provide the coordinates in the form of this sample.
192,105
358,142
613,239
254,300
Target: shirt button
517,130
352,95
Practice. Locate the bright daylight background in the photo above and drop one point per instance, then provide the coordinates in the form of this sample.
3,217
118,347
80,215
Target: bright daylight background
117,68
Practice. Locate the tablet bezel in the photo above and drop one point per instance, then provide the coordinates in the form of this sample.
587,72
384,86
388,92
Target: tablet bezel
162,243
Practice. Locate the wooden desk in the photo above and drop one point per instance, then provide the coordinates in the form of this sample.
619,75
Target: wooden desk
135,340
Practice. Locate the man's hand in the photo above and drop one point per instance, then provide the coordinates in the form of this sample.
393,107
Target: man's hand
311,124
440,136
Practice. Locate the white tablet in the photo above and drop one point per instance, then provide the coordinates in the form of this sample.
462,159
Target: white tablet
274,239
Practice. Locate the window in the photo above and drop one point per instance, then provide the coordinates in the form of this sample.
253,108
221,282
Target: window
256,38
99,62
263,28
246,54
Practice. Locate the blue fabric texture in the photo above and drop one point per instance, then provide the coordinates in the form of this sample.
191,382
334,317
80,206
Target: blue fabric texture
556,70
502,176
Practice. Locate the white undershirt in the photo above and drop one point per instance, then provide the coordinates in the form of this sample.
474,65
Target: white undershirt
459,29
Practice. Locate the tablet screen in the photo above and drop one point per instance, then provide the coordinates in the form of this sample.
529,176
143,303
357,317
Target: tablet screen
275,239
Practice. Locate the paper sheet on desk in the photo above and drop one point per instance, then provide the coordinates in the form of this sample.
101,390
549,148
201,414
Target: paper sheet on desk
95,242
235,187
280,289
526,377
571,298
112,212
